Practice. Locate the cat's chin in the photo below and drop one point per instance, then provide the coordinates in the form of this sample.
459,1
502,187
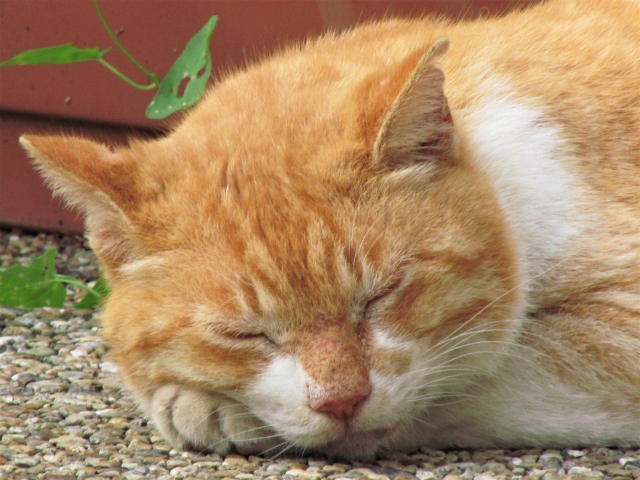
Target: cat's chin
357,444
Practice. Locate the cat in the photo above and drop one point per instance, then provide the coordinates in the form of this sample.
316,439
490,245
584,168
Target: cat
414,233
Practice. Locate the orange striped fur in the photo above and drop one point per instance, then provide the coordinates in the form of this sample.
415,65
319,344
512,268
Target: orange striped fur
414,233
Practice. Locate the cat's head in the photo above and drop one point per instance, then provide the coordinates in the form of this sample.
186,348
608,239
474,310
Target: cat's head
309,244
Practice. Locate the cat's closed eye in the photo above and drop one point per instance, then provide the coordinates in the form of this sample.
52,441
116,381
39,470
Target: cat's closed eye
372,305
250,337
378,299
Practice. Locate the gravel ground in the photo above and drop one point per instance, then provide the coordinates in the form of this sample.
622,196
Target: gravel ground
62,415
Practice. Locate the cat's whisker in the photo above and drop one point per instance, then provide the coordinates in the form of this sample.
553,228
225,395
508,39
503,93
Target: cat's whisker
468,382
462,399
512,342
254,429
255,439
496,326
304,450
474,331
264,453
437,381
436,369
444,393
419,383
468,396
480,352
502,352
221,409
439,367
422,421
287,446
501,296
427,397
241,440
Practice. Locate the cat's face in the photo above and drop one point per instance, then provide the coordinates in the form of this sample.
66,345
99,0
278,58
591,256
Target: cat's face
294,271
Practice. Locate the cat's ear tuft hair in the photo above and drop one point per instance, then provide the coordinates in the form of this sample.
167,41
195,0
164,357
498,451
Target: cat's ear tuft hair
418,127
95,179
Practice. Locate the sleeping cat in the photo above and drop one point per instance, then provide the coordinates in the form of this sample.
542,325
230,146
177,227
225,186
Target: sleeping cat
413,233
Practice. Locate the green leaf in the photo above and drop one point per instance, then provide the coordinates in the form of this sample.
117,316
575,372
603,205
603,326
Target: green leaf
55,55
32,286
90,300
189,65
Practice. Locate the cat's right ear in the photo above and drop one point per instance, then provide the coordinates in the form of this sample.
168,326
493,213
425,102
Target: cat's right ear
418,127
98,181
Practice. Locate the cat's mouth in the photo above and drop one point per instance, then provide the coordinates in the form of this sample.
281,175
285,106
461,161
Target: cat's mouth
357,443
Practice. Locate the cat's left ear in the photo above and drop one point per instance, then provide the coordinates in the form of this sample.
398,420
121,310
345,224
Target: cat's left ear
418,127
100,182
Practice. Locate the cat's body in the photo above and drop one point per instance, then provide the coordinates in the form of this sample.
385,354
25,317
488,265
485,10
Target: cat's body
324,256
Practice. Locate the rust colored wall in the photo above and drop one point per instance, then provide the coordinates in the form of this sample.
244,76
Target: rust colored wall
24,200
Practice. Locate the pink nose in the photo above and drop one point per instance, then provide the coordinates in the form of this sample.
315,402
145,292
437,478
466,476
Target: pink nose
342,409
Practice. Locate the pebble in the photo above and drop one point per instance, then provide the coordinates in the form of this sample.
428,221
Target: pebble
576,453
579,471
68,441
40,352
64,417
551,460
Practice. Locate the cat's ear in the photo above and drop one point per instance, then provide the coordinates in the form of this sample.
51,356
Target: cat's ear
418,127
98,181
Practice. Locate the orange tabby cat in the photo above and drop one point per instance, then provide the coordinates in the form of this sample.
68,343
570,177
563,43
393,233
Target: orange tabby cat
375,242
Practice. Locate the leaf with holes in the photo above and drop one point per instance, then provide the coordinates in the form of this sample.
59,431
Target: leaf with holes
193,67
55,55
32,286
94,297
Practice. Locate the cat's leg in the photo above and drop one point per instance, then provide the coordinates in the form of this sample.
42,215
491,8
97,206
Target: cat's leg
198,420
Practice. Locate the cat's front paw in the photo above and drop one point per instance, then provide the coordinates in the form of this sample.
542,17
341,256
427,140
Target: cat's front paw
197,420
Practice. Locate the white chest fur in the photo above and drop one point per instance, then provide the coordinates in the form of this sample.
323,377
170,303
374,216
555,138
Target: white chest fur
522,153
525,157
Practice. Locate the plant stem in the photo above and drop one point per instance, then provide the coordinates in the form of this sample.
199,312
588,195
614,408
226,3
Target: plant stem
151,86
77,283
152,76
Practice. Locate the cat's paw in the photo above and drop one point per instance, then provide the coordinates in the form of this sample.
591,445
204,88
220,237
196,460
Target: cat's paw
197,420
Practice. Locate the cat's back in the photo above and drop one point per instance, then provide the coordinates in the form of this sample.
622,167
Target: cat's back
574,61
576,64
549,101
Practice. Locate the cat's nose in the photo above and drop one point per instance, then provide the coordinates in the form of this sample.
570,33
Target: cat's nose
342,409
